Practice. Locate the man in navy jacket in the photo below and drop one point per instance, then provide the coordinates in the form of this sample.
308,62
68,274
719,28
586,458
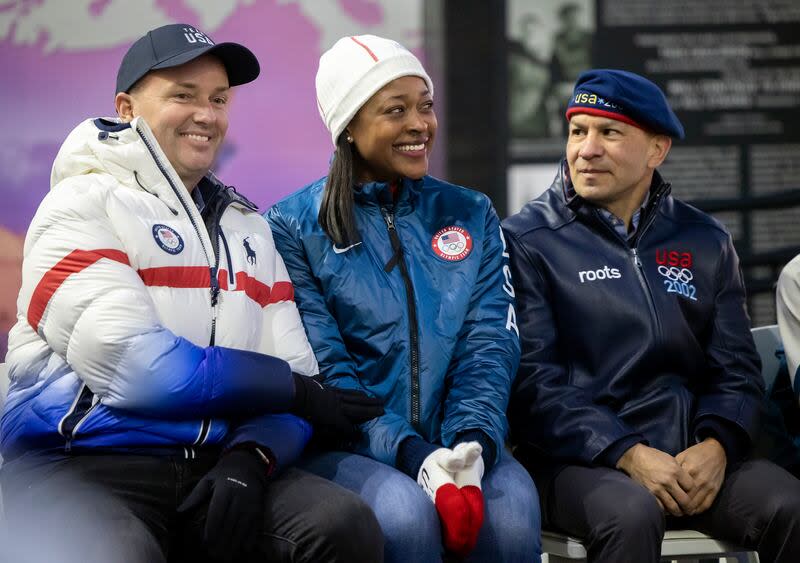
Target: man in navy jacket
639,385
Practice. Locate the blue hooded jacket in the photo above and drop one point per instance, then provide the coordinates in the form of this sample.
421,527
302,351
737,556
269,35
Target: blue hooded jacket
419,313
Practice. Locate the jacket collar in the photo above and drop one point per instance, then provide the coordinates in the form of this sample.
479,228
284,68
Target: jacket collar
576,206
380,194
211,188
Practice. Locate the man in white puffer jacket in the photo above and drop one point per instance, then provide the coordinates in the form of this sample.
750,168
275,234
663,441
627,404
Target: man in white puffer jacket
159,368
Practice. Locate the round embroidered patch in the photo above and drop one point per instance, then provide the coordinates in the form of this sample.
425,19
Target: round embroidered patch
452,243
168,239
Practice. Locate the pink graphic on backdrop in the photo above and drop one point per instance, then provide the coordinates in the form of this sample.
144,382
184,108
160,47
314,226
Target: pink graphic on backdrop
61,71
275,144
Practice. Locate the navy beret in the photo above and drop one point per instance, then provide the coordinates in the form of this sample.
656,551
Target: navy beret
626,97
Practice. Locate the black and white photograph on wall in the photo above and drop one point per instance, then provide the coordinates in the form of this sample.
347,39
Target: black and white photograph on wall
549,44
731,72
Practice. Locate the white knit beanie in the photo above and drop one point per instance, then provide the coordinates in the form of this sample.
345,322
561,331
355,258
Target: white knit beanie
354,69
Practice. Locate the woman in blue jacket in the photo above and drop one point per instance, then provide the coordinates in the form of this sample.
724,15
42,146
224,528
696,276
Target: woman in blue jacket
404,287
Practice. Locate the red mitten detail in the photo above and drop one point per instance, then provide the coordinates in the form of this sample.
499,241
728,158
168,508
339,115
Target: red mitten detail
454,513
474,499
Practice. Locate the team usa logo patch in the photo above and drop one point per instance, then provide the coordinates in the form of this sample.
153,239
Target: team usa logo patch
676,269
452,243
168,239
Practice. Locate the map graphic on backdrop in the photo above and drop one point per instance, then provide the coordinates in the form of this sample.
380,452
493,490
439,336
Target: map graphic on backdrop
63,57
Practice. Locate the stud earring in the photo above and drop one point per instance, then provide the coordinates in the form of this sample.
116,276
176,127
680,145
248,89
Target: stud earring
349,138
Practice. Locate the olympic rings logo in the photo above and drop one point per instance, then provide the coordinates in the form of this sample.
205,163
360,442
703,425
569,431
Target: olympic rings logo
455,246
683,275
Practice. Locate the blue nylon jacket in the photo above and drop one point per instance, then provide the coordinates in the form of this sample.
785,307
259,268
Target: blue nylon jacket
358,315
626,341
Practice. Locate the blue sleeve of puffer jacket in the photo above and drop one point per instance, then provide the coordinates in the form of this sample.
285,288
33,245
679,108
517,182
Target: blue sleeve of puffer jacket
735,387
285,435
486,355
165,376
381,436
548,413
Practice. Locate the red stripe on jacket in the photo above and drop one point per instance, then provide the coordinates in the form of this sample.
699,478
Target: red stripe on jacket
199,277
176,276
166,276
74,262
258,291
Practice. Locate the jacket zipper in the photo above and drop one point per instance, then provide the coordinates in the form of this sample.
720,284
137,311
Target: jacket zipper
646,287
79,411
633,251
214,286
205,430
638,263
228,256
213,281
397,259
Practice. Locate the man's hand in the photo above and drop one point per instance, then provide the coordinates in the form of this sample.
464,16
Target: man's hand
662,475
706,463
337,411
235,492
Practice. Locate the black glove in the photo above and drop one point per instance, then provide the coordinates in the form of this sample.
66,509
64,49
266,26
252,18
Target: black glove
235,490
338,411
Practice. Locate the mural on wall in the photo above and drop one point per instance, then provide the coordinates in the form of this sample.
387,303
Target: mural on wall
59,61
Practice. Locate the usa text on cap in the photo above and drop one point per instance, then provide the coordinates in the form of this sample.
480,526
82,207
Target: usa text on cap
626,97
175,44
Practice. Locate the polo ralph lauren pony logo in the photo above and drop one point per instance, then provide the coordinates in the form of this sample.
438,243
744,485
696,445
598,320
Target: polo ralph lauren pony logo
251,254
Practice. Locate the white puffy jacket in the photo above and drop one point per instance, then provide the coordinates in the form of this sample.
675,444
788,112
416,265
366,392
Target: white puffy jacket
788,309
135,328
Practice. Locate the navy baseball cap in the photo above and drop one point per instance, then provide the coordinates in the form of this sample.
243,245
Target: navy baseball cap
626,97
178,43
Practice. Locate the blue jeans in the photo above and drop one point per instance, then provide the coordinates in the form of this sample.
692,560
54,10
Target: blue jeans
408,518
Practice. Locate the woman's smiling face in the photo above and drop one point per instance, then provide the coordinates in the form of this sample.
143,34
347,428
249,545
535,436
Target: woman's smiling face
393,132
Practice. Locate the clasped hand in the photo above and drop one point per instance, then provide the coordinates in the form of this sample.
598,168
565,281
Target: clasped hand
683,485
452,480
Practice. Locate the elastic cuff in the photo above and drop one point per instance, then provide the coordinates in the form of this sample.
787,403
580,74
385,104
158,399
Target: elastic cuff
489,454
262,453
411,453
733,440
610,456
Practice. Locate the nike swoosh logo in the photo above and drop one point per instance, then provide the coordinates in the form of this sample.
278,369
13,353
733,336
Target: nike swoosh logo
338,250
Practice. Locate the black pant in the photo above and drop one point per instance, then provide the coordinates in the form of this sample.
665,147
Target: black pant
758,507
122,508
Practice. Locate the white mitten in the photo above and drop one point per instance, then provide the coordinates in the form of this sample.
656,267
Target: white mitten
468,481
458,533
470,476
461,457
460,509
432,473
